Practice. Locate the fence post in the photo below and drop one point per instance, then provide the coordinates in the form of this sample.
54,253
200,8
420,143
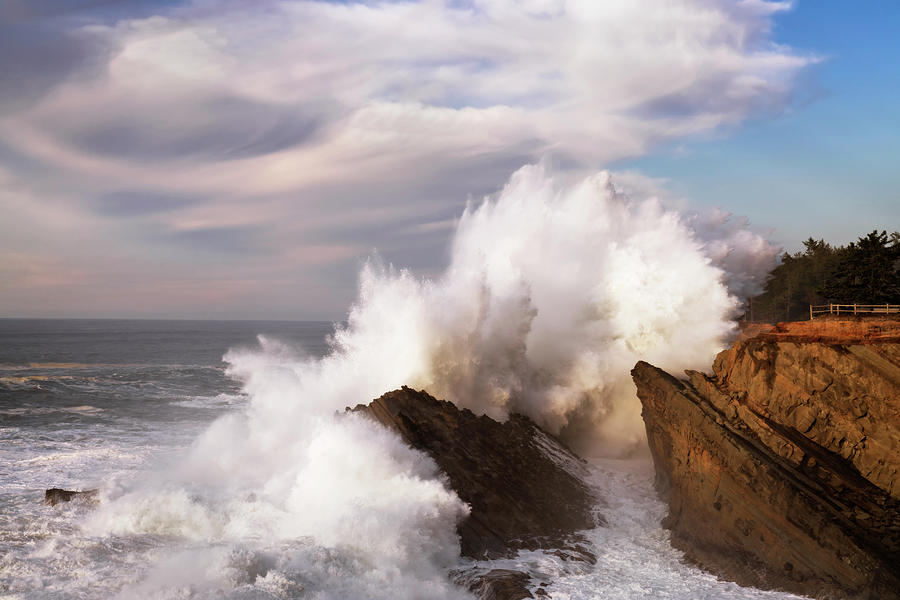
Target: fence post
810,312
830,309
854,309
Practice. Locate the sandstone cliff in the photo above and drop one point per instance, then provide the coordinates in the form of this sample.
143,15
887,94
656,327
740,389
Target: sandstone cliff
782,468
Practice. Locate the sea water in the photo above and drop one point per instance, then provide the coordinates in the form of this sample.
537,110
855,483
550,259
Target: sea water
118,405
88,403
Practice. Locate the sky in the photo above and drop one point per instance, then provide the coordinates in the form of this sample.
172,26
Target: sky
240,160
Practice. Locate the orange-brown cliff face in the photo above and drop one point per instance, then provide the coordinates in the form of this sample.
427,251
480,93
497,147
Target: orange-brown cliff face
782,468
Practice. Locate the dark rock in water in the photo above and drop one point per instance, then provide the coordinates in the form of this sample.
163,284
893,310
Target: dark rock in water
54,496
525,488
501,584
782,469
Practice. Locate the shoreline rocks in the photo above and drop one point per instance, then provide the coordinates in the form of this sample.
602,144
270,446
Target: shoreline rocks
525,488
498,584
782,468
54,496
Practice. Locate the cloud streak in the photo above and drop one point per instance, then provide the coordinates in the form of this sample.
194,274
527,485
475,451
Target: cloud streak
304,123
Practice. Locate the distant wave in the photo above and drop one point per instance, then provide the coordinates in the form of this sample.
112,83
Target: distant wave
46,410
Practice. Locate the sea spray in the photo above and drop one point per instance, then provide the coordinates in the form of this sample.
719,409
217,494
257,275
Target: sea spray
563,288
343,509
553,291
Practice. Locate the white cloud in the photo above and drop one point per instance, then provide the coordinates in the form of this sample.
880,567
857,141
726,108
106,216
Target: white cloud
299,117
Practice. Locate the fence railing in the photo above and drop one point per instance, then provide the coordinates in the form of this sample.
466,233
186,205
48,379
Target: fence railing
852,309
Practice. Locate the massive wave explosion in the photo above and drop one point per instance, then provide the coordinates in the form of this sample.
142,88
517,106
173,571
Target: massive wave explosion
553,290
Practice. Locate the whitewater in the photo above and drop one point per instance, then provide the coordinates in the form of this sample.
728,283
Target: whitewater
245,480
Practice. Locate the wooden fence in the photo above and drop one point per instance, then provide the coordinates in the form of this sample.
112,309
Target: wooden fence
852,309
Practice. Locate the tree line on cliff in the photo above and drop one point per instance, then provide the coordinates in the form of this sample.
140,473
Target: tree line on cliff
863,272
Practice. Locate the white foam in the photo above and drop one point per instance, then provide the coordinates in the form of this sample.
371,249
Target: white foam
635,560
217,401
343,486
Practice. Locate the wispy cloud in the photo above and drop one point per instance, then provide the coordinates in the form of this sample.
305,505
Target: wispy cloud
309,124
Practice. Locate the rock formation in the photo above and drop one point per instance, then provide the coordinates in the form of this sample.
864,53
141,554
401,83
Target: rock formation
782,468
54,496
497,584
524,487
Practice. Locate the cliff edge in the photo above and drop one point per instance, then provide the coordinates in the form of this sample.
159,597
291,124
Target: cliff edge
782,467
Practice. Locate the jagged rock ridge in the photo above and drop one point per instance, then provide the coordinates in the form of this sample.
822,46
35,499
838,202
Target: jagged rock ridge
782,468
524,487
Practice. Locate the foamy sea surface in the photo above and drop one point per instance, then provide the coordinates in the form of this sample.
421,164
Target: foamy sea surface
118,405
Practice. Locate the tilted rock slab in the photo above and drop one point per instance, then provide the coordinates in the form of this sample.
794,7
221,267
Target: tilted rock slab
782,468
524,487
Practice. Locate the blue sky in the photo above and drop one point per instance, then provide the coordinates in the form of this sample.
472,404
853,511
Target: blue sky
224,159
826,167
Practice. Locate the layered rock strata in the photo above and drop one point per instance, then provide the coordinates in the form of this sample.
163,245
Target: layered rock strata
525,489
782,468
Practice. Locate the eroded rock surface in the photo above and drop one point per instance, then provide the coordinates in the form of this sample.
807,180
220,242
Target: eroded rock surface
782,468
497,584
524,487
54,496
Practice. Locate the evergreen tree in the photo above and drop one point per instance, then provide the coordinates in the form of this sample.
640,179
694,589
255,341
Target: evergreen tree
866,272
792,286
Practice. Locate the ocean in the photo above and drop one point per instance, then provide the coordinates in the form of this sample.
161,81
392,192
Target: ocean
88,403
221,477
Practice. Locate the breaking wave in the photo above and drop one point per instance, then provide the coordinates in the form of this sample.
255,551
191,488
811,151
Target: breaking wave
554,290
